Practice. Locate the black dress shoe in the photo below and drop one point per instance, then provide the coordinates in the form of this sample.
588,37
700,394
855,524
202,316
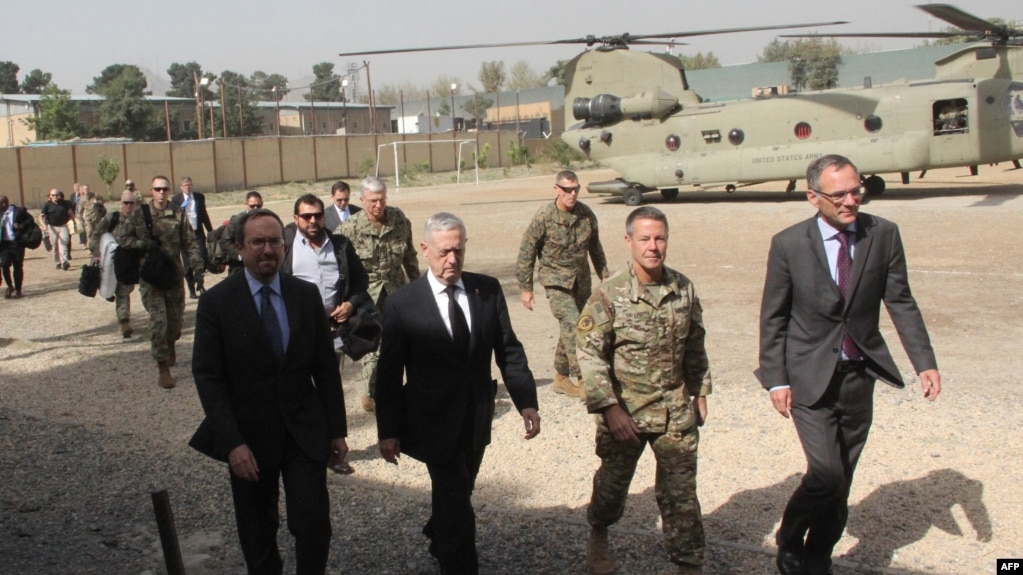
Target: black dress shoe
790,563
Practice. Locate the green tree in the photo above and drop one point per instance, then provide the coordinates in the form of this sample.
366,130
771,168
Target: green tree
441,86
700,61
58,117
9,77
107,170
35,81
477,107
393,94
523,77
492,75
327,86
813,62
265,84
183,78
556,73
125,111
238,100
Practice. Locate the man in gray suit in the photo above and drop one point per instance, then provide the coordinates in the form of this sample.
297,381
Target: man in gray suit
821,350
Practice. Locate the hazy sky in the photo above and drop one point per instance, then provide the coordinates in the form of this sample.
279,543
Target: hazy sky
74,39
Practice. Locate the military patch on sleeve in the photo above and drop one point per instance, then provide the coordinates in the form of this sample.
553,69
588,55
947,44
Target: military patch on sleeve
585,324
600,314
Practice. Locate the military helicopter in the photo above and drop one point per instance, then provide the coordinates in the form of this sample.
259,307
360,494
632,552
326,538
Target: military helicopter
636,113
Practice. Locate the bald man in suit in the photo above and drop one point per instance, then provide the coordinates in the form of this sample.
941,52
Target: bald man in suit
821,349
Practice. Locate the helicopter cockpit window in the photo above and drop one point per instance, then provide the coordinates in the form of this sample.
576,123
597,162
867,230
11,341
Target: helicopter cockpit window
711,136
872,124
951,117
672,142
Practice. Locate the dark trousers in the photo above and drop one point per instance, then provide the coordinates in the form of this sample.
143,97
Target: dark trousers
256,512
833,432
452,524
200,240
12,257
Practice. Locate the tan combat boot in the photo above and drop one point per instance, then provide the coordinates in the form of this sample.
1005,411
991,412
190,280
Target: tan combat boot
126,329
165,381
598,559
368,403
565,385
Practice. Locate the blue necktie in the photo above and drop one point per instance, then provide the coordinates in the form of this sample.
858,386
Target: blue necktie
271,323
844,277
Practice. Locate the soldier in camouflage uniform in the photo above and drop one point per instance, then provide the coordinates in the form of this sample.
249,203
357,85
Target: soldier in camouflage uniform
122,293
174,237
641,350
382,237
561,236
88,213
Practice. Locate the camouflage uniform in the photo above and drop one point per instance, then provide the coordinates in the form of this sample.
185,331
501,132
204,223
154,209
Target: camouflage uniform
122,293
175,237
642,347
390,261
90,215
561,241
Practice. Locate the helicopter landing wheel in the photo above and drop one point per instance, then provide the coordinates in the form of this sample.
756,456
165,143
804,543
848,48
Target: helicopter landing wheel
632,197
730,188
875,185
791,187
669,193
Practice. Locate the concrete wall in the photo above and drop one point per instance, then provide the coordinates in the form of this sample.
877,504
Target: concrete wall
28,173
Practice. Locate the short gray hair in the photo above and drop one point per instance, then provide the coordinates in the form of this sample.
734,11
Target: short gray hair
442,222
372,184
817,167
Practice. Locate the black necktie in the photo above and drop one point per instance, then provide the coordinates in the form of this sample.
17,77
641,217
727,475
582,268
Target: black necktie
271,323
459,327
844,277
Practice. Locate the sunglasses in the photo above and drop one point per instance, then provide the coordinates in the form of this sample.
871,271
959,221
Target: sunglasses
568,189
128,203
160,189
255,206
310,216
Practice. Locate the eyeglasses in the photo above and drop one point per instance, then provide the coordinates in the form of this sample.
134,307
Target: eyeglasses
163,190
838,197
53,195
261,243
568,189
255,206
310,216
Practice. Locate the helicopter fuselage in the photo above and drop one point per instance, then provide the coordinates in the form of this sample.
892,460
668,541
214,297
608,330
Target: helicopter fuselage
970,114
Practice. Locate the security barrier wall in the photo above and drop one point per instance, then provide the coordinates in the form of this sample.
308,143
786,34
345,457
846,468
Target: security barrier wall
28,173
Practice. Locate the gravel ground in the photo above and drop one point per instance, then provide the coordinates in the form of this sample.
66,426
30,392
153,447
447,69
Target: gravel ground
87,434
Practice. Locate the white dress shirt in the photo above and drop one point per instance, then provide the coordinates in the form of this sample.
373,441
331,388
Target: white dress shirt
440,296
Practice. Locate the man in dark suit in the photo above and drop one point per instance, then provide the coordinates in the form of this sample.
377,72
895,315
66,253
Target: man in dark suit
194,206
440,333
341,209
821,349
264,367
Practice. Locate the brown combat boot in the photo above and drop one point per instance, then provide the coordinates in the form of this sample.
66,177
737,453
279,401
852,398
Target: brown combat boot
165,381
126,329
368,403
686,569
598,559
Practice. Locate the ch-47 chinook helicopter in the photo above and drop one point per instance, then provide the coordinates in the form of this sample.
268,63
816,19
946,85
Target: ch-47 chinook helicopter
635,112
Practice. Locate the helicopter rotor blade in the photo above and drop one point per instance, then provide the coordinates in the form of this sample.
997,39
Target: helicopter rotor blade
616,40
958,18
633,38
882,35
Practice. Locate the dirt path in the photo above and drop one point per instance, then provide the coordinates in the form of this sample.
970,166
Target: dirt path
86,432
